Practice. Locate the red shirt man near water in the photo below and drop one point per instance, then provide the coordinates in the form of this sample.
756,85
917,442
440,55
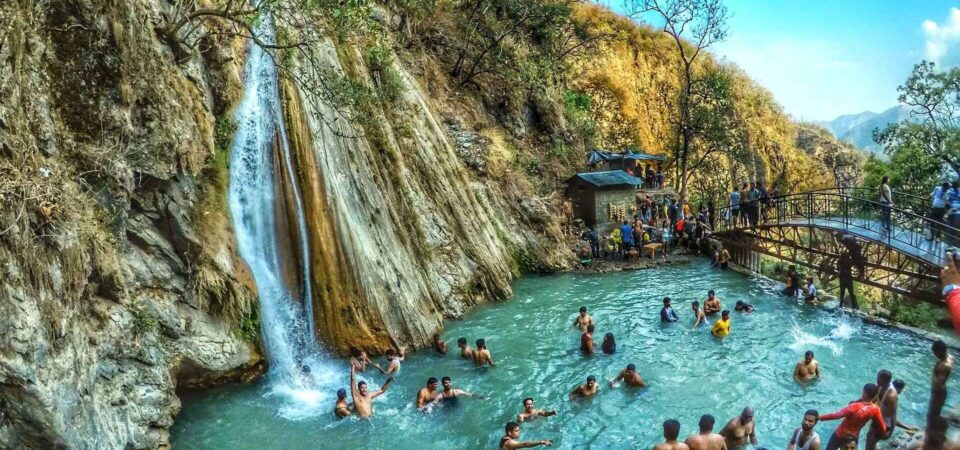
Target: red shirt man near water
855,416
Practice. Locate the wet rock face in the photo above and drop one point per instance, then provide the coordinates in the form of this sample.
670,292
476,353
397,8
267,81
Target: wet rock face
118,278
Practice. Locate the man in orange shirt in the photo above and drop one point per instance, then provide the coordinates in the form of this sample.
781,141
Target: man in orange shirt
855,416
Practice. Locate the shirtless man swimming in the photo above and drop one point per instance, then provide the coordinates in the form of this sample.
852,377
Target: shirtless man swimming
509,440
887,398
699,316
630,377
342,408
359,360
900,385
707,439
588,389
740,430
583,320
586,340
807,369
804,438
439,345
428,395
362,400
712,304
671,431
529,412
465,351
482,356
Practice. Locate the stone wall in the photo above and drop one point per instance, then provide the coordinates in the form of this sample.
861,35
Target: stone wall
603,200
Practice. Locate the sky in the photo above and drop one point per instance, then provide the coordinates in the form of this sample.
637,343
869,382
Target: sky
825,58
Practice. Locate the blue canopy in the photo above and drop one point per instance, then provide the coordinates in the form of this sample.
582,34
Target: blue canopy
608,178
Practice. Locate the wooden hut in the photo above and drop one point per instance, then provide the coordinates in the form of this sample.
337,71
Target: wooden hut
603,199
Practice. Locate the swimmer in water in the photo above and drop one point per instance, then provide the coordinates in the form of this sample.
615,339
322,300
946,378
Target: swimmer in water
586,340
807,369
307,376
465,351
698,315
363,400
712,305
900,385
671,431
439,345
630,377
588,389
888,398
359,360
707,439
449,395
740,430
582,320
394,359
609,345
482,356
722,326
529,412
342,408
509,440
428,395
743,307
804,438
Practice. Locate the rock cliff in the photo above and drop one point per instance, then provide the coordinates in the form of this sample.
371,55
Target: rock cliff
119,277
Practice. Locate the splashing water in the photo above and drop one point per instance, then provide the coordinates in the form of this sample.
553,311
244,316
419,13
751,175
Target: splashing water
844,328
286,321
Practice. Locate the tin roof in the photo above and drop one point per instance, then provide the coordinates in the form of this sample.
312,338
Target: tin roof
608,178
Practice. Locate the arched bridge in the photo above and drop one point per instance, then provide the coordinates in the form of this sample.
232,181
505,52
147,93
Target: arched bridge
800,228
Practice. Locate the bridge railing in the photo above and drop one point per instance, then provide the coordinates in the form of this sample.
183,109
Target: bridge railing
836,209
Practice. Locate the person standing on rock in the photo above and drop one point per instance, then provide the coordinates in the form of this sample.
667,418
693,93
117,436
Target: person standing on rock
936,433
363,400
804,438
583,320
465,351
707,439
482,356
845,276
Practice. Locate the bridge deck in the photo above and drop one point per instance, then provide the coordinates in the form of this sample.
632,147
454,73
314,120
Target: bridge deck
929,251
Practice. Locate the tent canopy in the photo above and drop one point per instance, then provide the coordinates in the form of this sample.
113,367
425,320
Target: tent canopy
597,155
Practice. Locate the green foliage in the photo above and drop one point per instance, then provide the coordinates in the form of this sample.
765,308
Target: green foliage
389,82
915,314
348,17
577,109
144,321
248,328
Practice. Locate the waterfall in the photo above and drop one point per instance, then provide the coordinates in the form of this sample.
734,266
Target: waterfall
286,320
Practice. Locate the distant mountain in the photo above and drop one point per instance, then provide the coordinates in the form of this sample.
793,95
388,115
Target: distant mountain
857,129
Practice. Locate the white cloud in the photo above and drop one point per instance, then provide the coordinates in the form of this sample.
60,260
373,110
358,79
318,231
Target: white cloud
943,40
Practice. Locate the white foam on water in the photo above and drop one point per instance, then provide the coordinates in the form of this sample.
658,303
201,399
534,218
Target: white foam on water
844,329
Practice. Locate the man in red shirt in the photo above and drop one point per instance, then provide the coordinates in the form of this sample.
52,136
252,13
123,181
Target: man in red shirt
855,416
950,276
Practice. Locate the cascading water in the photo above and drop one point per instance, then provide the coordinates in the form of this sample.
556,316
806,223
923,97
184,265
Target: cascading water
286,321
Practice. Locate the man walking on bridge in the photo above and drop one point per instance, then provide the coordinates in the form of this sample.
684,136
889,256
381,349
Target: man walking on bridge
885,199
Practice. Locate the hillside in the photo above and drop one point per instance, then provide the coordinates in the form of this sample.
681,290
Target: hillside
427,143
857,129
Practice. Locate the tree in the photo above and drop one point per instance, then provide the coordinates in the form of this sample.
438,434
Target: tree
934,99
694,25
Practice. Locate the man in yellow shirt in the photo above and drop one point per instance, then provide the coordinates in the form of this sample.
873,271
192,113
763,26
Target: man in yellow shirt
722,327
